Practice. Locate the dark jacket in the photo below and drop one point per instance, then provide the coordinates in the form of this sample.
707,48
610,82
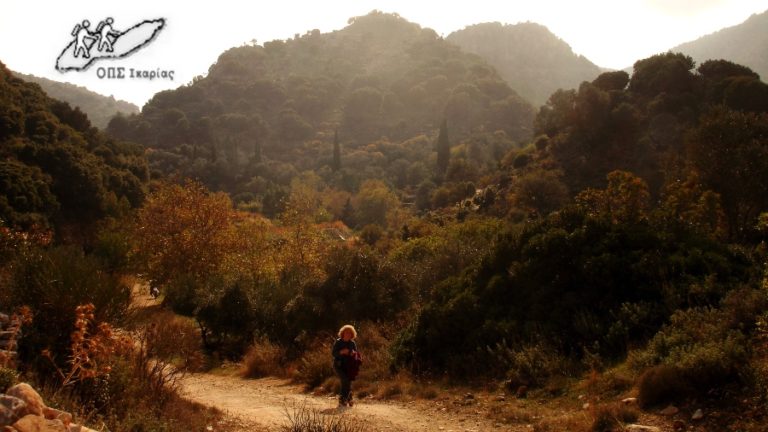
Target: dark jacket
340,344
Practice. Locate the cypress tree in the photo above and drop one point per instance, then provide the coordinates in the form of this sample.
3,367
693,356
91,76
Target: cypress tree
443,150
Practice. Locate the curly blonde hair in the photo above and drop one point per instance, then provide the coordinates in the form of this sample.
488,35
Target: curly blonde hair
348,327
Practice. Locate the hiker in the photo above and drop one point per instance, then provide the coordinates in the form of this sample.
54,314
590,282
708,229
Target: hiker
105,30
81,33
343,349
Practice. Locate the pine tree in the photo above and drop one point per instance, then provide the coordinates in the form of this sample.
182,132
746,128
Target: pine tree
336,151
443,150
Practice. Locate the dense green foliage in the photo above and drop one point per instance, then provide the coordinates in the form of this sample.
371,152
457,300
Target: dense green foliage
528,56
57,169
572,281
99,109
381,86
663,124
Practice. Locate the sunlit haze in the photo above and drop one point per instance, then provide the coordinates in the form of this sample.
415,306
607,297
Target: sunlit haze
612,34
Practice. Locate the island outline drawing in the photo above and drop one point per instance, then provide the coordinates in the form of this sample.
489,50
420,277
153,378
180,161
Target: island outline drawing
105,42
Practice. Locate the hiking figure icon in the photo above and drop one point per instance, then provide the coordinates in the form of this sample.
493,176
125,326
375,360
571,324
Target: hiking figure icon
81,33
105,30
105,43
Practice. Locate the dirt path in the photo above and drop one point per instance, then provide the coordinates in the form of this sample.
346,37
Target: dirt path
263,404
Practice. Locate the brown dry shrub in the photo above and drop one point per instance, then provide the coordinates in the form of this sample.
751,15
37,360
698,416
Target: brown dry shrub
314,367
661,384
263,358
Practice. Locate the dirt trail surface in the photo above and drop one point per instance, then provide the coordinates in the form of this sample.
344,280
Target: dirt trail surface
262,404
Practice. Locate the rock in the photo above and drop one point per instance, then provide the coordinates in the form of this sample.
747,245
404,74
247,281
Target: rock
521,392
678,425
54,414
501,398
581,397
640,428
33,423
629,401
469,396
26,393
585,406
697,415
669,411
11,409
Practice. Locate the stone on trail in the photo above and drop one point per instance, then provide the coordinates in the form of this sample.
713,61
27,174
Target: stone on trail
669,411
698,415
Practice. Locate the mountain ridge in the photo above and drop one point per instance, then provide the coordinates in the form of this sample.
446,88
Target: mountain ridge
533,60
99,108
745,44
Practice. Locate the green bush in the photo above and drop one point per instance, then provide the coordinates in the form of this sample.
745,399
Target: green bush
181,294
699,344
530,365
700,349
581,282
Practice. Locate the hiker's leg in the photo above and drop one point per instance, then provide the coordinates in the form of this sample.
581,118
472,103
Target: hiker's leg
346,388
345,385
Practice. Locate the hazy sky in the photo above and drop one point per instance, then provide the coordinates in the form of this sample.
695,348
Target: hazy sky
611,33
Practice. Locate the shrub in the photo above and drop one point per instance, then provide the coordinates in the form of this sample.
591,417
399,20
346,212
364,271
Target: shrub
174,340
53,282
530,365
661,384
700,345
263,359
314,367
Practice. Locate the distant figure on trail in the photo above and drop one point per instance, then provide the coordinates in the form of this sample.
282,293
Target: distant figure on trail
346,361
104,29
154,291
81,33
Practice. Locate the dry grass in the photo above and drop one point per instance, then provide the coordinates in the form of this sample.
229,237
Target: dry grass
611,383
304,419
610,417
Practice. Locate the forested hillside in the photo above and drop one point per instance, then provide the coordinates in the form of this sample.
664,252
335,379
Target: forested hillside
533,61
382,86
99,109
56,168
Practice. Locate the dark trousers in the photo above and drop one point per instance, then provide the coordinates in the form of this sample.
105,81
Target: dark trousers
345,394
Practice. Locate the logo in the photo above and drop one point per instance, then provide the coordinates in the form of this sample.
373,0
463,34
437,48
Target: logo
105,42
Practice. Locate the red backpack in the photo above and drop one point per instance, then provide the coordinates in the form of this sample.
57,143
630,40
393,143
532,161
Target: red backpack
352,365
